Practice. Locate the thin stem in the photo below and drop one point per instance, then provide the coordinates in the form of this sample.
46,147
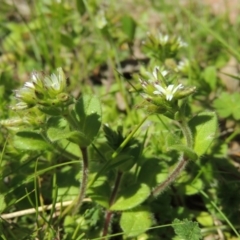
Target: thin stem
129,137
171,178
183,161
120,148
186,131
84,180
111,201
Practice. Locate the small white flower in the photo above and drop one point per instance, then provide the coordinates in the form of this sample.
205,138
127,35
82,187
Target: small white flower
168,92
146,96
55,83
156,70
181,43
182,65
101,20
143,83
163,39
34,77
29,85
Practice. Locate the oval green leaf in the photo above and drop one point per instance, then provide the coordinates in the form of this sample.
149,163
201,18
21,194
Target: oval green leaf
100,191
204,127
30,141
88,113
131,197
57,129
136,221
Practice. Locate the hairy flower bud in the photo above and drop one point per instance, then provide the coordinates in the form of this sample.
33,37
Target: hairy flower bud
159,96
44,91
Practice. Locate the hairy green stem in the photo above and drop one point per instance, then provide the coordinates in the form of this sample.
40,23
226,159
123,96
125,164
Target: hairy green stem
84,179
183,161
186,131
171,177
111,201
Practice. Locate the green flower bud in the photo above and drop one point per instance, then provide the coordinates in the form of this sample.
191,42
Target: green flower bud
43,90
20,106
185,92
12,122
26,95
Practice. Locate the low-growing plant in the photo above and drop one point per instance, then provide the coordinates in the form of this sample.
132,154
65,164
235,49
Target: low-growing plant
51,119
114,158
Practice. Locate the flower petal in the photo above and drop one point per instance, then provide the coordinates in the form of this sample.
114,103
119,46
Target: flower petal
160,89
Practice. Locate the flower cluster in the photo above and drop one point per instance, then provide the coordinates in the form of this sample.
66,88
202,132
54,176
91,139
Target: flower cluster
165,39
43,91
156,90
100,20
162,46
183,66
30,118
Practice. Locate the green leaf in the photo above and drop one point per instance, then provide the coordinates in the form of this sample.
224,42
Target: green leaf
2,203
57,128
188,151
204,127
80,7
70,147
123,162
30,141
67,40
136,221
187,230
129,27
100,191
205,219
131,196
194,188
52,111
88,113
78,138
226,106
153,172
210,76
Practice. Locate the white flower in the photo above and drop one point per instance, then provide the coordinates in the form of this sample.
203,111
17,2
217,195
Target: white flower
25,94
29,85
34,77
163,39
181,43
101,20
182,65
156,70
55,83
169,91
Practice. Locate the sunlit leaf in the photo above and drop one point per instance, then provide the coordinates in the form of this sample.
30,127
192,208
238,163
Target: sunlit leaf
136,221
226,106
88,114
30,141
204,127
131,197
